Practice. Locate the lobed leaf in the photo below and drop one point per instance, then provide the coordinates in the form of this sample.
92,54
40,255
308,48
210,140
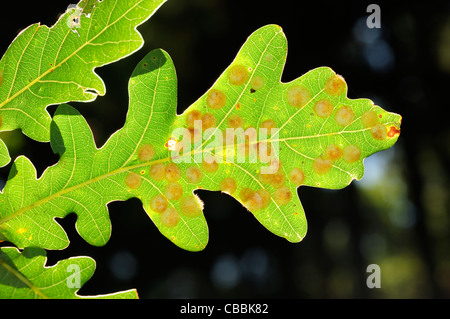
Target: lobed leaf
318,138
23,275
46,66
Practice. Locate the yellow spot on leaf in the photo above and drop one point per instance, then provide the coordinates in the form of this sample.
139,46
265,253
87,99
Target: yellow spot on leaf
171,144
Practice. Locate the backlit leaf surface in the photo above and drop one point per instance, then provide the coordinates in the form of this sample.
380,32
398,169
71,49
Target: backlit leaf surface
318,138
23,275
46,66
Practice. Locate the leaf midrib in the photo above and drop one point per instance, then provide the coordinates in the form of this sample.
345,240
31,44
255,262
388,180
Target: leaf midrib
78,186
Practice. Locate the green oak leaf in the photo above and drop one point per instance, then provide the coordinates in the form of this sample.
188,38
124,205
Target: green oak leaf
23,275
47,66
318,137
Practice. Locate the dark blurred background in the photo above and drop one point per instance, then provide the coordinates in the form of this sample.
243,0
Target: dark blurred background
397,216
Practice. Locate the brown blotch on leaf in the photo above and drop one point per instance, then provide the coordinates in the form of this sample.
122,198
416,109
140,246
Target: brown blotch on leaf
268,124
195,134
173,191
170,217
194,174
216,99
335,85
322,166
265,196
351,153
146,152
191,117
278,180
1,76
191,206
379,132
238,74
173,172
208,121
297,96
257,83
235,121
255,200
158,171
323,108
259,199
158,203
228,185
369,119
297,176
344,116
333,152
265,178
282,195
245,194
210,164
133,180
